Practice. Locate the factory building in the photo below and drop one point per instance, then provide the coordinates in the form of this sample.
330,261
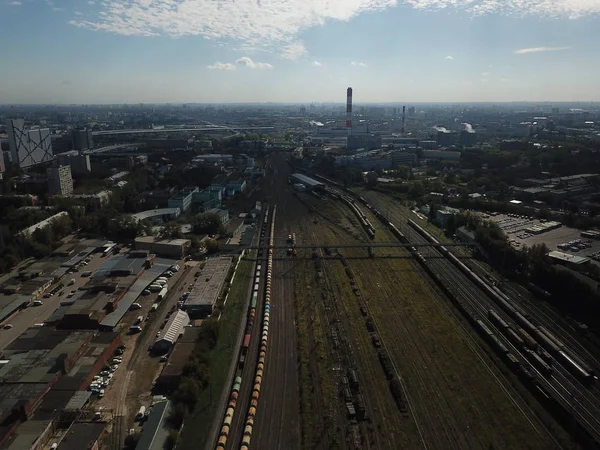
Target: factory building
367,141
445,138
170,333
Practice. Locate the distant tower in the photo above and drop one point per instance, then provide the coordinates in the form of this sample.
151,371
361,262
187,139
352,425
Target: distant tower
349,110
403,120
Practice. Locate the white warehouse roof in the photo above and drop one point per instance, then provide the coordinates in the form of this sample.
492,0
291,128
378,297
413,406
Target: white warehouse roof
174,328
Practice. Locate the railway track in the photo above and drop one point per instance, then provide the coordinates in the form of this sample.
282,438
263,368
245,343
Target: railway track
563,387
347,358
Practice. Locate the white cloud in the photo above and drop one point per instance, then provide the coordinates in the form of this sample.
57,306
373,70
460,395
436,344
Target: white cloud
221,66
358,64
485,74
245,61
548,8
317,64
276,24
293,51
15,3
484,80
449,58
523,51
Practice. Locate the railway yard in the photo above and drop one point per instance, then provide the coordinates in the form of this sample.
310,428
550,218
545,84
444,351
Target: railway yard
386,348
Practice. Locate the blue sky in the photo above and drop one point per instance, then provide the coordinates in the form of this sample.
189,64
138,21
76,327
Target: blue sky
129,51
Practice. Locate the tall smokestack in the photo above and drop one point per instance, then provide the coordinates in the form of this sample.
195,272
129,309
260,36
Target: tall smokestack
349,110
403,120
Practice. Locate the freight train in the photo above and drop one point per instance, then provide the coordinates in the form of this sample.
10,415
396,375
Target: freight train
266,235
543,337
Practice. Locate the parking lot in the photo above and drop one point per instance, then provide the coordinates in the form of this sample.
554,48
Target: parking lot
515,229
27,317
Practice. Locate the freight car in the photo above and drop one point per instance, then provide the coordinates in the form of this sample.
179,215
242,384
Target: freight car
545,339
539,363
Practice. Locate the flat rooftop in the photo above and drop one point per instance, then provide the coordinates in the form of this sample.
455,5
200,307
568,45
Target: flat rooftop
566,257
310,182
209,284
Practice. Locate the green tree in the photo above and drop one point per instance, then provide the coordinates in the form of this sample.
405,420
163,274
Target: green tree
208,223
212,246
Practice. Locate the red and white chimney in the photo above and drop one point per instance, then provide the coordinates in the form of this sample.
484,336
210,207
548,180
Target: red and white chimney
349,110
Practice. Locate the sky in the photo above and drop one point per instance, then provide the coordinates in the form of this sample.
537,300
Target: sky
212,51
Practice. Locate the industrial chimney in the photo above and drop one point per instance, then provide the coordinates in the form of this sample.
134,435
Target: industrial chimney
349,110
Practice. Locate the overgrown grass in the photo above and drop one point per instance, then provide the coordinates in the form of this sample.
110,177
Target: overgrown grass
198,424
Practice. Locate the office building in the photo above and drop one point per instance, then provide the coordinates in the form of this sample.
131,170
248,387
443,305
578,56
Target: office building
183,199
60,181
79,162
28,147
82,139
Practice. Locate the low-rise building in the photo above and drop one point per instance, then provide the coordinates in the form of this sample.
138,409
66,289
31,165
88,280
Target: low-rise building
222,213
441,155
170,333
207,288
173,248
183,199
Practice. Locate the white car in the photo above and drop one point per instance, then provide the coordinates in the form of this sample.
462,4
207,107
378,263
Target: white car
8,326
101,393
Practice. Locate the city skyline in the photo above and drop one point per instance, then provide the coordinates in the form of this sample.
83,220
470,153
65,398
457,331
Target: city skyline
162,51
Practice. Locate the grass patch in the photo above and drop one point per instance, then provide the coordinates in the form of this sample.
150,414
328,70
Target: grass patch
198,424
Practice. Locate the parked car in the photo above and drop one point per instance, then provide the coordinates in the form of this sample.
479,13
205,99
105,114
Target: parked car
72,282
38,303
8,326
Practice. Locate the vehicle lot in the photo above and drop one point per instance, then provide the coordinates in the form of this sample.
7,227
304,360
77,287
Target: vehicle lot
132,382
515,230
38,314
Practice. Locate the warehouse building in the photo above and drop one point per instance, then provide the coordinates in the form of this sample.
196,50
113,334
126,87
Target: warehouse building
156,428
306,181
170,333
207,288
168,248
172,371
